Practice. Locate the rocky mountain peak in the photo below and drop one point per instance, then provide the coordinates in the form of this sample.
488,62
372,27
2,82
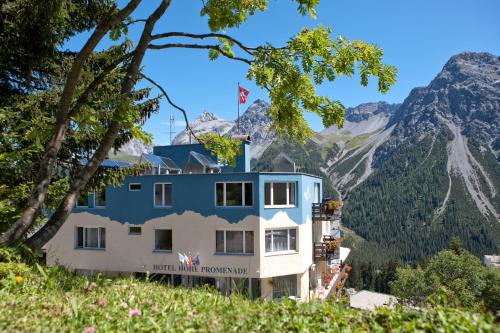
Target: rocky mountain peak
367,110
205,116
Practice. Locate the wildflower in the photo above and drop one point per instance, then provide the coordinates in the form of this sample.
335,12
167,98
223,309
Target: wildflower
103,303
154,309
92,285
89,329
124,305
189,315
134,313
19,278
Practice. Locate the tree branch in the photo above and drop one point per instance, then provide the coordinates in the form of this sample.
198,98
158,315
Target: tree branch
83,98
197,46
209,35
164,92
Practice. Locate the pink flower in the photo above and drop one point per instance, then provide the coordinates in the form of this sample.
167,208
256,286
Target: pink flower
103,303
89,329
154,309
134,313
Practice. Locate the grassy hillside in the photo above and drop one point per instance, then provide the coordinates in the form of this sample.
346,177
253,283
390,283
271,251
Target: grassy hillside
55,301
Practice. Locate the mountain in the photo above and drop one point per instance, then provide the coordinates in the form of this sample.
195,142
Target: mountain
206,122
254,122
413,175
134,148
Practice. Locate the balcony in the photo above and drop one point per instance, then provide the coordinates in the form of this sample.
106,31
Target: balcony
329,248
325,212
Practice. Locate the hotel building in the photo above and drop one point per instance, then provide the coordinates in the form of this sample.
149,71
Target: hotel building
193,221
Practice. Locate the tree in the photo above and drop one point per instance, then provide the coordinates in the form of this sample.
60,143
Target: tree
288,73
457,277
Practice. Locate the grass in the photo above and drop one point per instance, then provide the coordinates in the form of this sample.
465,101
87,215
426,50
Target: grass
36,299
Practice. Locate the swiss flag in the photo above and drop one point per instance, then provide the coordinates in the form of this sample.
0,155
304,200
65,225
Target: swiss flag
243,93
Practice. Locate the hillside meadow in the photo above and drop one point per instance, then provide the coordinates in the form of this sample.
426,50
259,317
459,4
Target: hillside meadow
40,299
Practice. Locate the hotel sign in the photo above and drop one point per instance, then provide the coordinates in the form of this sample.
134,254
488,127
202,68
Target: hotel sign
217,270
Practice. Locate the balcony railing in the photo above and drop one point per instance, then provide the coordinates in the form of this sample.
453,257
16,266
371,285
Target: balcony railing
320,212
329,248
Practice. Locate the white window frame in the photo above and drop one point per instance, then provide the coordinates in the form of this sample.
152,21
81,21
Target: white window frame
84,238
288,205
131,190
224,193
225,243
95,199
272,252
135,233
163,205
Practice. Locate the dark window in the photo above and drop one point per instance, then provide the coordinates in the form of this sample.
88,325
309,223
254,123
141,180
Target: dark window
134,230
219,241
248,241
248,194
83,200
284,286
135,187
100,198
234,194
90,238
163,194
220,193
267,195
280,194
163,240
234,241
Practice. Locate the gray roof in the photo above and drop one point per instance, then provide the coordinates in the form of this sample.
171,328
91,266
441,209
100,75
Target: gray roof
161,161
204,160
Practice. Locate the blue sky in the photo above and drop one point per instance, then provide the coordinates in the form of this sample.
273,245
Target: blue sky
418,37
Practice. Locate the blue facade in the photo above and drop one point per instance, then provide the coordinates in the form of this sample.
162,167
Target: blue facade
197,192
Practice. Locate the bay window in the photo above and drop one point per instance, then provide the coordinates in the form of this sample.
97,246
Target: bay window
234,241
234,194
281,240
90,238
280,194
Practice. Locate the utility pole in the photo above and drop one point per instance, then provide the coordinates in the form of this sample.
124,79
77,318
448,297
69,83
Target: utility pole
171,120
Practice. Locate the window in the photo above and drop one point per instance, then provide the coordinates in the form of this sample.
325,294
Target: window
134,187
163,194
163,240
280,194
317,193
234,241
284,286
83,200
100,198
234,194
134,230
281,240
90,238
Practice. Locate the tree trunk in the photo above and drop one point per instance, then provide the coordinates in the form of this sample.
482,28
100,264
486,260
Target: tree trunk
47,163
42,236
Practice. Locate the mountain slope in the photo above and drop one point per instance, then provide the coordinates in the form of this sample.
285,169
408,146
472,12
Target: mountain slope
413,175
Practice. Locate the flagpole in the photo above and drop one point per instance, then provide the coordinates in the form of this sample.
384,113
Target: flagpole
238,100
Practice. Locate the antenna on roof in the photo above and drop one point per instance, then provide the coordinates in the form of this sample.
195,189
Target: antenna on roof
171,120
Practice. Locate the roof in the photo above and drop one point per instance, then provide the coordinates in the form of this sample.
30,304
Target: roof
108,163
369,300
161,161
204,160
284,156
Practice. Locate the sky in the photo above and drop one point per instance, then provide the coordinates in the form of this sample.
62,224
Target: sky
417,37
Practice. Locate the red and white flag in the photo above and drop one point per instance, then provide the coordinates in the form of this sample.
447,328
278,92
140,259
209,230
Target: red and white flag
243,93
